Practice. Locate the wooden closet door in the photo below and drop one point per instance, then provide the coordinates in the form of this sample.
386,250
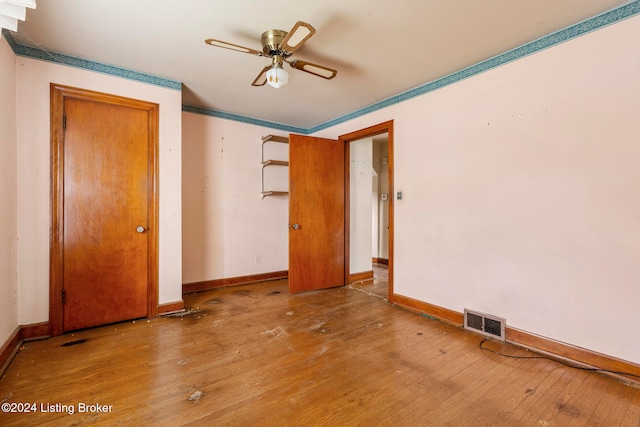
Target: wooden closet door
107,211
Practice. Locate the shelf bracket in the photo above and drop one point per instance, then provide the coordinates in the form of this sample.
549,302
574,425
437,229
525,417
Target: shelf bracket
270,162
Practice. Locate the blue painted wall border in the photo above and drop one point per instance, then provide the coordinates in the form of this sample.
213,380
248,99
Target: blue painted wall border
623,12
243,119
72,61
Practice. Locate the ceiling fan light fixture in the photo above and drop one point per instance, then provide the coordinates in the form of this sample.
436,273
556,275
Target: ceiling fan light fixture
279,46
277,77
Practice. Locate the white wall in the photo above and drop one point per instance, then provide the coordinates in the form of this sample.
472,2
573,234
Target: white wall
226,223
375,213
381,158
521,192
360,233
33,79
8,194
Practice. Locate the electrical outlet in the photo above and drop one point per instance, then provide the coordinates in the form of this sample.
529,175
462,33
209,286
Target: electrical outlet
258,259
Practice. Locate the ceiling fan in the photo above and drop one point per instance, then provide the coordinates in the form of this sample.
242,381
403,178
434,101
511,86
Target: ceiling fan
279,46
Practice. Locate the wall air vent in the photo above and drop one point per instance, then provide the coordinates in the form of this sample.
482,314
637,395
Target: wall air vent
485,324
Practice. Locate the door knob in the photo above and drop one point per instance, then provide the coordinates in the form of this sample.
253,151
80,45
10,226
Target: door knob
295,226
140,229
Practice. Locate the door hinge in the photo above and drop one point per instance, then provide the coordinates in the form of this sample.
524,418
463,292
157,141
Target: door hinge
64,296
64,122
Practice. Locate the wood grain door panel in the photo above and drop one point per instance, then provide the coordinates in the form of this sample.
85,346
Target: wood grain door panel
104,187
316,206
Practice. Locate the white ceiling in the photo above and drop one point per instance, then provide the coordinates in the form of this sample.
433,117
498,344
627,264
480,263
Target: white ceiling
379,47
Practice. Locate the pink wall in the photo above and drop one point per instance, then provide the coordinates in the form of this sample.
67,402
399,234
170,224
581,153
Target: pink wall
33,79
226,223
8,194
521,192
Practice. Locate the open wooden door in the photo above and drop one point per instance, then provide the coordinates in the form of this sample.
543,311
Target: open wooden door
316,213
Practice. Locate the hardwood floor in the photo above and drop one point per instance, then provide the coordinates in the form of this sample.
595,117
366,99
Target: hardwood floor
255,355
380,285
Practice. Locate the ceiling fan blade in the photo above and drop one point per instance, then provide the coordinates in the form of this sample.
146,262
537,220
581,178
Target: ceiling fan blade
316,70
262,77
237,48
295,38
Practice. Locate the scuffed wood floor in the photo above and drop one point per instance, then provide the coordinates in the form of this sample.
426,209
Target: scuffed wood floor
257,356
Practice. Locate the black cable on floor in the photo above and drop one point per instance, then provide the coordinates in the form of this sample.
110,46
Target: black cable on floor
582,368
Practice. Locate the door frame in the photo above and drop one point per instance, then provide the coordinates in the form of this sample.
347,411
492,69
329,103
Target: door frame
58,94
385,127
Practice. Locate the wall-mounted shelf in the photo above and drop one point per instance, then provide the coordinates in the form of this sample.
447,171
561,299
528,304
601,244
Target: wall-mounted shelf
272,162
275,138
274,193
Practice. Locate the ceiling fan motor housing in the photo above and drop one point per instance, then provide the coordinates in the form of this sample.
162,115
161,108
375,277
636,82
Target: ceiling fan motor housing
271,40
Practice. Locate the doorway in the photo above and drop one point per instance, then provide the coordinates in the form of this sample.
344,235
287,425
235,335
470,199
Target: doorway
103,255
369,207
